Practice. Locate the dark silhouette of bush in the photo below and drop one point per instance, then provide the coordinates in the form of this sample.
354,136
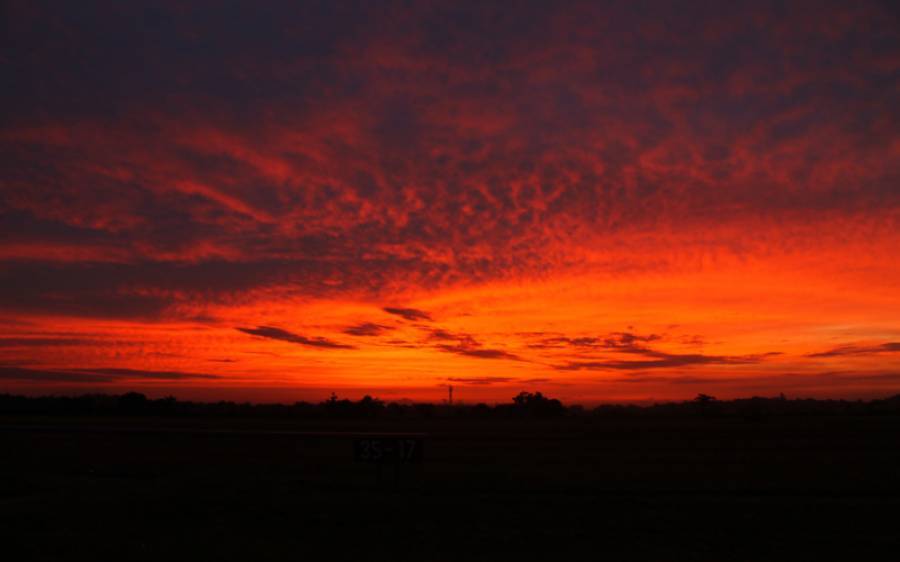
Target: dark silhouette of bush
537,405
369,407
706,405
394,410
132,403
525,405
480,410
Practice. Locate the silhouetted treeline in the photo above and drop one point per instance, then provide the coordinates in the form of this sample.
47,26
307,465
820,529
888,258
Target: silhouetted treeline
524,405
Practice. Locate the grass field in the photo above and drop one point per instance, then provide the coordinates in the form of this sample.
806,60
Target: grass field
800,488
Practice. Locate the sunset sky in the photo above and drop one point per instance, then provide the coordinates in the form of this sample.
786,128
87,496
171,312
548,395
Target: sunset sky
604,202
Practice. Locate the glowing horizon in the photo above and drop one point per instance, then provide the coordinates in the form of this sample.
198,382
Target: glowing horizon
585,202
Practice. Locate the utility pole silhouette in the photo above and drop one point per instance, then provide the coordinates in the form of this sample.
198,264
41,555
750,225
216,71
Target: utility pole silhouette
450,390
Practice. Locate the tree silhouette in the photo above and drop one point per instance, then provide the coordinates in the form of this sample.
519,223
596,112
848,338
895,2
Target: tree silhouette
132,402
537,405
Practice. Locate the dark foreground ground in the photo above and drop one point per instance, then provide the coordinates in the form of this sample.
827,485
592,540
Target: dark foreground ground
684,489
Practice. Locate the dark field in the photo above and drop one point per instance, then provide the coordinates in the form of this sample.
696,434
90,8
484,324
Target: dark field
801,488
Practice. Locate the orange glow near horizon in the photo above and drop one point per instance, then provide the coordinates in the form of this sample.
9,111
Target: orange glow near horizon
736,329
570,201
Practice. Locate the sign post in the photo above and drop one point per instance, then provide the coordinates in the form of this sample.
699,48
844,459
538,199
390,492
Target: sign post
391,449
